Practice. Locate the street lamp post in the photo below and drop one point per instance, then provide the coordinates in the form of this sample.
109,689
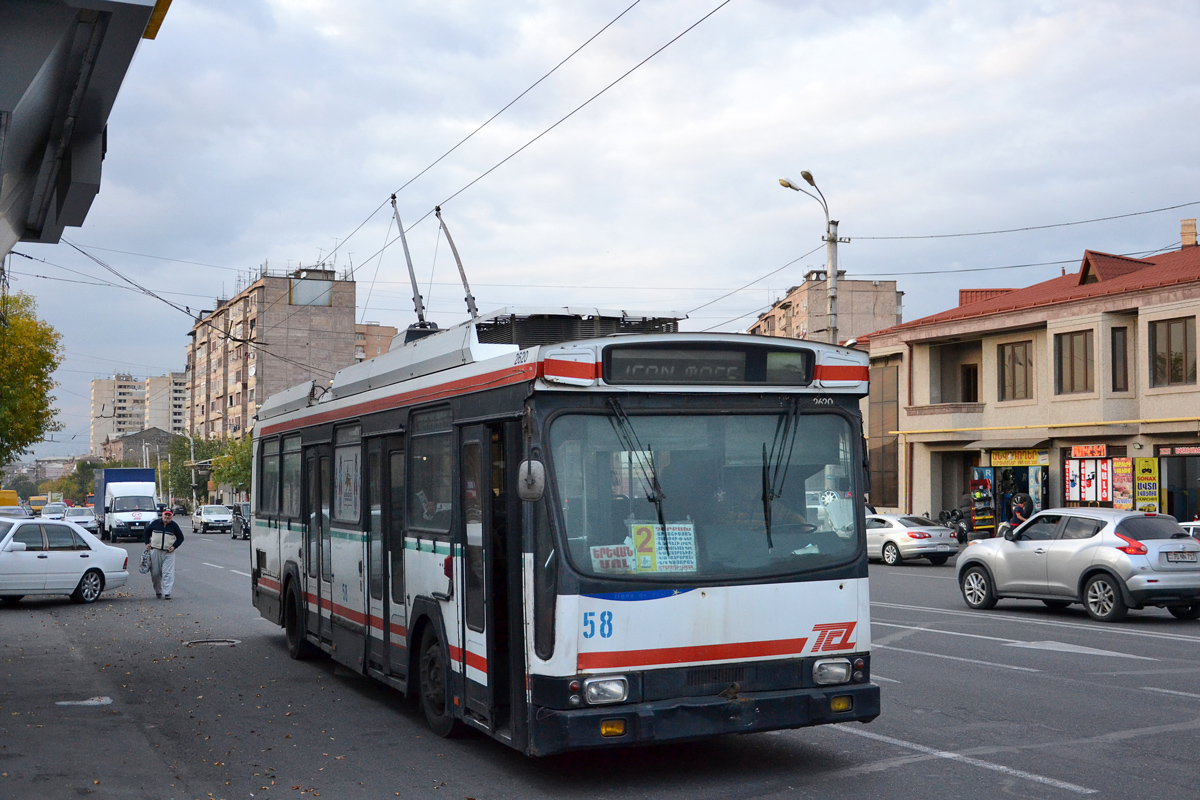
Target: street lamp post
831,243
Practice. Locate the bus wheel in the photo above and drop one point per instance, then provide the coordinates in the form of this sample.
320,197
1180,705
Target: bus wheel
434,692
293,623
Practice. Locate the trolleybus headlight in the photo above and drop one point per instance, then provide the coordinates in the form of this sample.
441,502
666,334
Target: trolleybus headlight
599,691
831,670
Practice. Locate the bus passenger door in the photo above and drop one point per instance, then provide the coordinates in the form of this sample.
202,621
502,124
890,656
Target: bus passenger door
320,585
395,606
476,506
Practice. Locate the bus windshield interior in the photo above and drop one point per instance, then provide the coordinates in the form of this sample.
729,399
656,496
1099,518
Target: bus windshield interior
710,480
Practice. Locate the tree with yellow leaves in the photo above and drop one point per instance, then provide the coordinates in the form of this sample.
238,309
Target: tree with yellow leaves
29,353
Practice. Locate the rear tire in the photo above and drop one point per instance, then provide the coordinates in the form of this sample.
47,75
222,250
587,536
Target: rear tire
1103,600
299,647
1185,612
11,599
434,669
937,561
977,589
89,588
891,555
1059,604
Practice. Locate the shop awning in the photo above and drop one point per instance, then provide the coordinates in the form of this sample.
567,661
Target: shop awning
1006,444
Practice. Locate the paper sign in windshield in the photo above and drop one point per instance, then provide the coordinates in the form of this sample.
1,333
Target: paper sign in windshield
648,551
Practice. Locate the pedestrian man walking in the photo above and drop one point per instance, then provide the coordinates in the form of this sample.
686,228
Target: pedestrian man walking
163,538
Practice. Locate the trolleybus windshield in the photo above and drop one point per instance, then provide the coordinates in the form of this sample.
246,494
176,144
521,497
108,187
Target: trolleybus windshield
709,473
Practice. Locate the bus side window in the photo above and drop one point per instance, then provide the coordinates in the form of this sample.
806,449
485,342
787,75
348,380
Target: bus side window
268,489
430,485
396,527
374,523
290,496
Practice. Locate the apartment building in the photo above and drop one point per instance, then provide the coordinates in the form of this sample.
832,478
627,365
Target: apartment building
118,408
1080,390
166,399
863,307
372,339
279,331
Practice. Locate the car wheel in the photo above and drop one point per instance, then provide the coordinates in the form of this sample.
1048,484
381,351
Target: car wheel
1102,599
937,561
1057,603
11,599
977,589
204,528
891,555
89,588
299,647
1185,612
434,669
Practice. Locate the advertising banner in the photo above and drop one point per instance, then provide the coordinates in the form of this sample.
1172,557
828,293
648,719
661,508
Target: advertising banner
1145,480
1020,458
1122,483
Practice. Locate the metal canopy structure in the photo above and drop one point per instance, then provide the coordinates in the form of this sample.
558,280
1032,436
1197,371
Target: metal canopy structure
62,63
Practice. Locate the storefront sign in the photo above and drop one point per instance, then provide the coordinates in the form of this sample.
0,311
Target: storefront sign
1088,480
1089,451
1122,482
1020,458
1145,479
1179,450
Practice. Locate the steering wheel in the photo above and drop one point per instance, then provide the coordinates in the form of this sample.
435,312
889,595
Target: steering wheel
805,527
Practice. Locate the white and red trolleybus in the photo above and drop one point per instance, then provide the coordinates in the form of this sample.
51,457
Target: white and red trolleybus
577,529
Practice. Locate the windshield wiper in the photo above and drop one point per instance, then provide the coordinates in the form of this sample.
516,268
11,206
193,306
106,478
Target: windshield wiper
775,465
630,441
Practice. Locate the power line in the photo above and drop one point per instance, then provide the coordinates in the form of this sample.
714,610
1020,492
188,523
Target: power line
756,280
486,122
1031,227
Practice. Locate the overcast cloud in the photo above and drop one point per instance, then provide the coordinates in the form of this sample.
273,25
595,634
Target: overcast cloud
263,131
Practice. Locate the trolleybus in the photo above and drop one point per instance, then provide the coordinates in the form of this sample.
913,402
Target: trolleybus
577,529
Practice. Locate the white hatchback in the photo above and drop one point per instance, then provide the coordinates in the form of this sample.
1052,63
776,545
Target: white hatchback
41,557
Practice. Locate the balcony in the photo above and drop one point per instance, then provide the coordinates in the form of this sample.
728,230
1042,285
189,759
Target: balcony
944,408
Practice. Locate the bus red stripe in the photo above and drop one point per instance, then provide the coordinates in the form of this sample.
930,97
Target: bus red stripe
679,655
490,380
830,372
570,369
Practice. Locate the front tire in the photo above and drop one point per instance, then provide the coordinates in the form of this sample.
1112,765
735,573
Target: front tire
89,588
11,599
299,647
891,555
977,589
434,669
1185,612
1103,600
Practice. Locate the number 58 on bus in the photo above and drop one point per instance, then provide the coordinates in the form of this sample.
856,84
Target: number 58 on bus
578,530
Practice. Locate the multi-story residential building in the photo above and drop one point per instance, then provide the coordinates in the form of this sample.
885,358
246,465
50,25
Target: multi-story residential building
277,332
863,306
145,447
118,408
166,399
372,339
1080,390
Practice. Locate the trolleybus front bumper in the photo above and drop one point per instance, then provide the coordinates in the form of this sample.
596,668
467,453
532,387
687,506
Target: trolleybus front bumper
678,719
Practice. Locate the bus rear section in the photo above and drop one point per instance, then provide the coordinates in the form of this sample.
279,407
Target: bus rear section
565,558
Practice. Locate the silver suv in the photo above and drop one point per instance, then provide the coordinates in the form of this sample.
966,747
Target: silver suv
1111,561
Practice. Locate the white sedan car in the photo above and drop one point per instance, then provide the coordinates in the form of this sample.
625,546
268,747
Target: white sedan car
40,557
84,517
896,537
212,518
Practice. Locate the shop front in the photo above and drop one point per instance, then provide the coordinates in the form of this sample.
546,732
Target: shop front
1023,471
1102,476
1179,480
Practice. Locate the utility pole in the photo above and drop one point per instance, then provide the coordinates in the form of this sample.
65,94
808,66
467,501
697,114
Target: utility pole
831,243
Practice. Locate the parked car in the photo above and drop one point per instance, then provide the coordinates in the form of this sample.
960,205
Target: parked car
15,512
1108,560
180,510
38,557
84,517
897,537
54,511
1192,527
216,518
241,521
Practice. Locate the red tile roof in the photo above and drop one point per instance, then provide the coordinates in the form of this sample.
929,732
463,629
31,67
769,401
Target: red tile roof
1115,274
966,296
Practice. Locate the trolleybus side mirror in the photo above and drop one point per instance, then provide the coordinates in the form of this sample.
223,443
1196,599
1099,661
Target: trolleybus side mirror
531,480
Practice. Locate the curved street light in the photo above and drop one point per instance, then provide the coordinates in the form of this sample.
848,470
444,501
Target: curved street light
831,242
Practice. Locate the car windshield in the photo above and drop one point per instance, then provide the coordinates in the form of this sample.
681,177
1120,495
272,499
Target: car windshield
13,511
709,471
1146,528
134,504
918,522
214,510
79,512
5,527
55,507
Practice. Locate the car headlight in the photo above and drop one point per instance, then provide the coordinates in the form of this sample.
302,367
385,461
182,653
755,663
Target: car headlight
120,523
831,670
599,691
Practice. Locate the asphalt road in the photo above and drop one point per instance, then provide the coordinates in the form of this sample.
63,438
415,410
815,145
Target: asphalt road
1021,701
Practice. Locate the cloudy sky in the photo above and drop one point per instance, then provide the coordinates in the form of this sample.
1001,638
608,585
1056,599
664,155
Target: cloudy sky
256,132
